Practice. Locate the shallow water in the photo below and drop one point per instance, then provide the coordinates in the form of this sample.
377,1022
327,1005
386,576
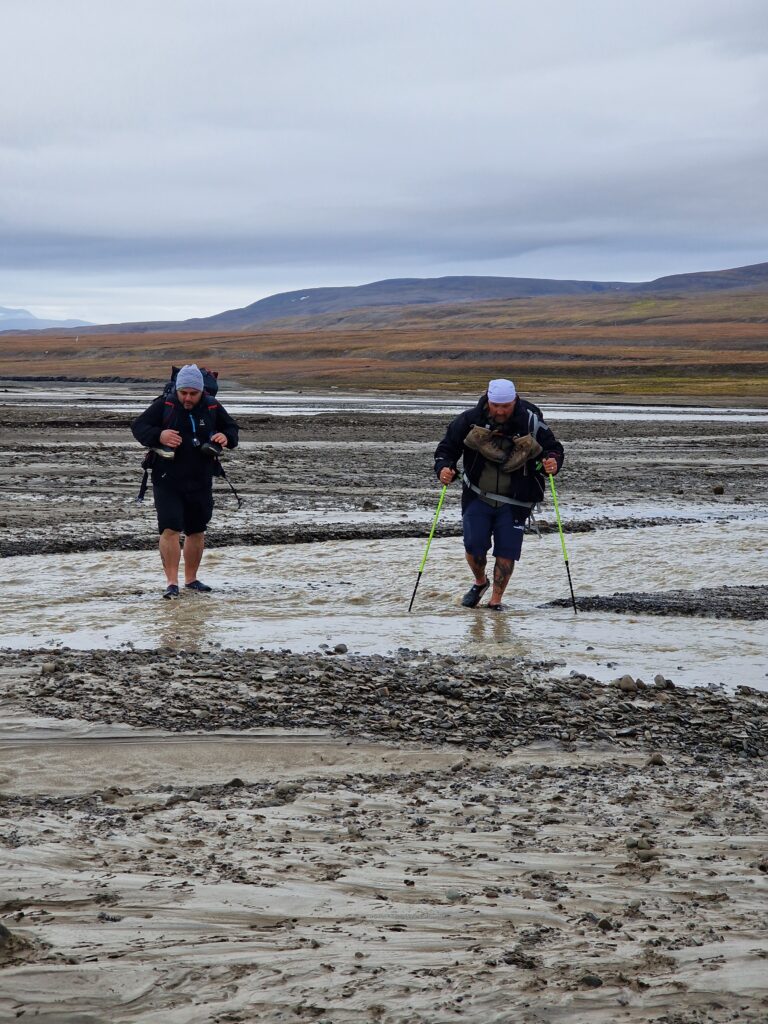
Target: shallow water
124,398
357,592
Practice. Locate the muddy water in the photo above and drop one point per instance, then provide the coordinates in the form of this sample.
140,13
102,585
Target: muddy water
303,596
132,398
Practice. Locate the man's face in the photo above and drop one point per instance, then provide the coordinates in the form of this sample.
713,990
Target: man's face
501,411
189,397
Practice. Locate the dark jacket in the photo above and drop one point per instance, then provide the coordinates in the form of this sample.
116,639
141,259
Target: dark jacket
528,483
189,469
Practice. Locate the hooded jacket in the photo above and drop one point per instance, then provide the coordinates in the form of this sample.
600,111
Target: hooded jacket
189,469
527,483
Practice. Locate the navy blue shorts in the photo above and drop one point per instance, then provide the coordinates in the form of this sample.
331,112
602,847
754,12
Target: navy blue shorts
504,524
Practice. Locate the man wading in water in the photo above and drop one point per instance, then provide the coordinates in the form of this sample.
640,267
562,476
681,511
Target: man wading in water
186,432
503,441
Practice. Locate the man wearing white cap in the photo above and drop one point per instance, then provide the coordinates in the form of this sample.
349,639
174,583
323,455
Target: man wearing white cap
186,430
507,449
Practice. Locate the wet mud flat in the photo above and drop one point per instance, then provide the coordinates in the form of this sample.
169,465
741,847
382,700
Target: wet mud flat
248,836
193,833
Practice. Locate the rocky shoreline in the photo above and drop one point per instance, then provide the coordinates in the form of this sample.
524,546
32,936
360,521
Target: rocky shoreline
708,602
490,703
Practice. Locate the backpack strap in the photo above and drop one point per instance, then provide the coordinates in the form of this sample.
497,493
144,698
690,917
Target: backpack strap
169,414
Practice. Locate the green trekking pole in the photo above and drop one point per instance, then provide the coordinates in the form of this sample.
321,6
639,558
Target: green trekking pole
562,537
429,541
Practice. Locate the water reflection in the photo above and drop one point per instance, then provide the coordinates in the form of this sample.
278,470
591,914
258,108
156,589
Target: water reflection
490,629
189,622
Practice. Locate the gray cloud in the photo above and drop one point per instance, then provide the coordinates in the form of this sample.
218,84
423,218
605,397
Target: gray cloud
328,141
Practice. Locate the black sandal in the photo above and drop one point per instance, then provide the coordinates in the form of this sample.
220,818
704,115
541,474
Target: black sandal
472,597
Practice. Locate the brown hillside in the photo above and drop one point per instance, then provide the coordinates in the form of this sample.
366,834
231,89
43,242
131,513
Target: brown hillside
651,345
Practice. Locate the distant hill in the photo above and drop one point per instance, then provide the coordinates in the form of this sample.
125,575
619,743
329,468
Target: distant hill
23,320
754,278
453,290
414,292
406,291
382,302
691,335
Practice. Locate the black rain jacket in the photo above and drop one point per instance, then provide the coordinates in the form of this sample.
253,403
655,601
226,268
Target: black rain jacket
189,469
528,483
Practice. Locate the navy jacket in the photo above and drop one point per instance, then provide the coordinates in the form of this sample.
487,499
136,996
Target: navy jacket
189,469
528,483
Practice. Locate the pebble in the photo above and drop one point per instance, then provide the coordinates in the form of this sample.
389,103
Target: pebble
647,855
656,760
591,980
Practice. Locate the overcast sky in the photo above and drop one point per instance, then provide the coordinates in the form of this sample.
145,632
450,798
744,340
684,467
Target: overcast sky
161,159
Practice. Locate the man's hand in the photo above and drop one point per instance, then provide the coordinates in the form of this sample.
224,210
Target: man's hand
220,439
170,438
550,466
447,475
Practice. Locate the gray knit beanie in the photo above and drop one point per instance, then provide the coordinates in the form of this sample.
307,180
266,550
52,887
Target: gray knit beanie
189,377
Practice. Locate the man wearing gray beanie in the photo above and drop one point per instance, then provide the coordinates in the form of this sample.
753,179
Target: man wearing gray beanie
186,429
506,448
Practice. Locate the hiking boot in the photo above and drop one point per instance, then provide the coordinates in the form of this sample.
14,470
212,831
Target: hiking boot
201,588
171,591
485,441
472,597
163,451
212,449
523,449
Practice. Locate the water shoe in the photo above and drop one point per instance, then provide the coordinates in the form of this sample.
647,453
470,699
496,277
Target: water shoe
171,591
201,588
163,451
472,597
211,448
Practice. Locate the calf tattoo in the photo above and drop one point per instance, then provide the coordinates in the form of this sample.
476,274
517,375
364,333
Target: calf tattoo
502,570
477,564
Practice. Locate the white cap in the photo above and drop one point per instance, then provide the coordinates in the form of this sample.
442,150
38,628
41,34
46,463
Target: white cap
501,391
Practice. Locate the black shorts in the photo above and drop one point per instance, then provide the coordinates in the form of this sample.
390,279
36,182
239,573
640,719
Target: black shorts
184,512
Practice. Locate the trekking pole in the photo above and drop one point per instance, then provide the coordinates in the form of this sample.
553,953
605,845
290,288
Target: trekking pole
429,541
562,537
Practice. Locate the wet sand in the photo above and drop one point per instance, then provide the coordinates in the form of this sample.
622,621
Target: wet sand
195,833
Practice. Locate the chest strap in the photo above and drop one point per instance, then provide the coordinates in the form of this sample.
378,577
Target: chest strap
496,497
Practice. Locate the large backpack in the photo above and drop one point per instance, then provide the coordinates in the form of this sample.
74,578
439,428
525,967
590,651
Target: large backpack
210,381
210,389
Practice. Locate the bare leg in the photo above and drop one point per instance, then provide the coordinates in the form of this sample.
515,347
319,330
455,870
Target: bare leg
193,554
170,555
477,565
502,572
